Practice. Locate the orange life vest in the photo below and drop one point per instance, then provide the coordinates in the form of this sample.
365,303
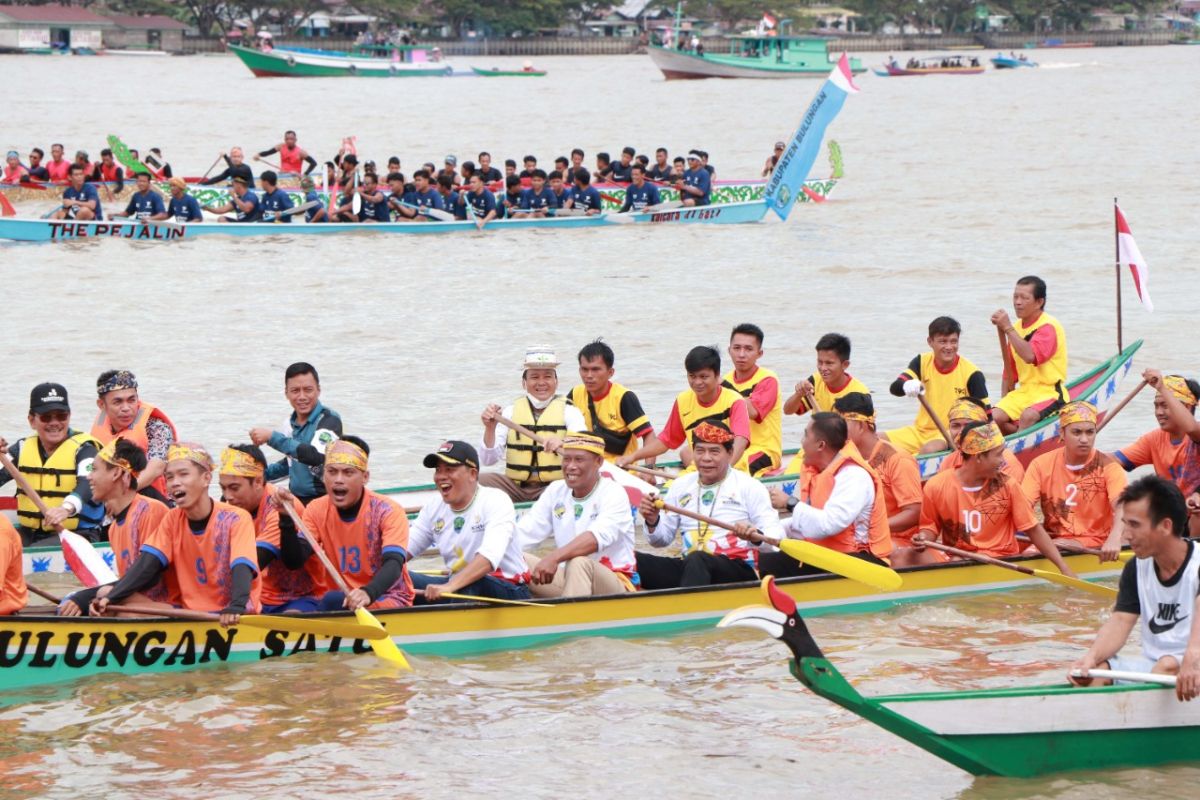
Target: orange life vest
136,432
109,172
816,488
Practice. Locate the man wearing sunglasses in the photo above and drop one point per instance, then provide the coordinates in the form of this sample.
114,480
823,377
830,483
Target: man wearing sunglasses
56,461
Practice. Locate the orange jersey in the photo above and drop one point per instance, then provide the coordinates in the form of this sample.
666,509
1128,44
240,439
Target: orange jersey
984,519
357,547
202,563
1156,448
1011,466
1076,504
280,584
129,532
901,477
13,592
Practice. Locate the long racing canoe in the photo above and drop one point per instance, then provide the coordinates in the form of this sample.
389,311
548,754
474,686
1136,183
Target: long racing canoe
44,649
1098,386
1015,732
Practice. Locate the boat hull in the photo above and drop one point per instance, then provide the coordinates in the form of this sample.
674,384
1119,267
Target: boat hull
38,650
284,63
1025,732
1011,63
681,65
508,73
901,72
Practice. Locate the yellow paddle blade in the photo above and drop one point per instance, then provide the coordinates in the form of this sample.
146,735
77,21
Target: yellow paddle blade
497,600
1076,583
855,569
319,627
384,648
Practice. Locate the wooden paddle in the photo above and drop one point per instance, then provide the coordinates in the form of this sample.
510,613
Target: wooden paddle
1069,546
43,593
383,646
210,169
657,473
274,622
275,167
1053,577
1108,417
474,599
847,566
941,426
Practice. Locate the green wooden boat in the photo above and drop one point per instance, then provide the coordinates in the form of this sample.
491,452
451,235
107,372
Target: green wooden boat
751,57
1017,732
509,73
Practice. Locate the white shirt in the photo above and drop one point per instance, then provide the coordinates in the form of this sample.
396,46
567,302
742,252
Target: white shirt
851,501
1166,610
486,527
572,417
605,513
737,498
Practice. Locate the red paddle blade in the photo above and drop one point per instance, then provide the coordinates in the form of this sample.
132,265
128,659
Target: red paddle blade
6,208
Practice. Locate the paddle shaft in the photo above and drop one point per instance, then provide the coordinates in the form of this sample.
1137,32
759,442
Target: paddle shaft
657,473
43,593
496,600
683,512
214,166
1108,417
941,426
316,547
173,613
521,429
980,557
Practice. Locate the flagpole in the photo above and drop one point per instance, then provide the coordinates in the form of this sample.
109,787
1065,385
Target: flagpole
1117,263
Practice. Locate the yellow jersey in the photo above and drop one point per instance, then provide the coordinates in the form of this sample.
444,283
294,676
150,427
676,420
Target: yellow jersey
766,433
616,416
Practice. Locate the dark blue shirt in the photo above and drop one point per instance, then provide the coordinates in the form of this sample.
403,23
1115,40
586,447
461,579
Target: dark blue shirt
273,202
145,205
376,211
637,199
539,201
185,209
313,196
621,174
587,199
654,173
559,200
426,199
510,202
701,180
88,192
255,212
482,203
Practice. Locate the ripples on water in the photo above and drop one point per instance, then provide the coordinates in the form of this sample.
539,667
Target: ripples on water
954,188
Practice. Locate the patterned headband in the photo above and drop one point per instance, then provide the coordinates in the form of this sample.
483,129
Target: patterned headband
340,451
121,379
712,434
1177,385
982,439
236,464
968,410
1078,411
189,451
584,441
109,456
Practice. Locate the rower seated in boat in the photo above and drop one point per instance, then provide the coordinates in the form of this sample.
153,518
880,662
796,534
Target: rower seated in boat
421,194
14,594
829,382
108,173
978,507
474,529
476,203
941,376
538,200
710,555
1035,359
274,200
840,501
760,387
705,399
639,193
182,207
243,204
145,203
589,520
1077,487
584,196
205,546
80,200
1167,447
133,519
364,534
1160,587
374,204
317,212
963,412
14,171
291,584
235,167
695,189
609,409
123,412
55,460
529,467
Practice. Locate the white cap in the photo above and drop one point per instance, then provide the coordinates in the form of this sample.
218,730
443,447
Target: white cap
540,356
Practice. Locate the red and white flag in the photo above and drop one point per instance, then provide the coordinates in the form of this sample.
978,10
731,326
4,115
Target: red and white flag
1129,255
768,21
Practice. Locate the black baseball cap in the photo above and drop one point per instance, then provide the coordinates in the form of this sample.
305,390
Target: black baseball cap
48,397
453,452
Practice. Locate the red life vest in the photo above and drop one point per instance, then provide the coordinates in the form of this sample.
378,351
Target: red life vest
58,171
290,159
109,171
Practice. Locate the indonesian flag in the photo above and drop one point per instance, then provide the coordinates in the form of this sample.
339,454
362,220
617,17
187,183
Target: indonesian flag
1129,255
88,565
768,21
634,487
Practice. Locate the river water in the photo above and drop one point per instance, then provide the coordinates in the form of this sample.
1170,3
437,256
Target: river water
954,188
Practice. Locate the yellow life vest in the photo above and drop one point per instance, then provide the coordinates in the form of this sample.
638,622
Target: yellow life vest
941,389
603,418
1051,375
691,414
526,460
53,479
766,435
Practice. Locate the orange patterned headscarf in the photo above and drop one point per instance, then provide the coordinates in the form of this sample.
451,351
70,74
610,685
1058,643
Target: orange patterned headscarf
981,439
190,451
1177,385
236,464
712,434
340,451
965,408
109,456
588,442
1077,411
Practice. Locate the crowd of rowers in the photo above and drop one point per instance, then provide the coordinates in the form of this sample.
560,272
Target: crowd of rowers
131,480
478,191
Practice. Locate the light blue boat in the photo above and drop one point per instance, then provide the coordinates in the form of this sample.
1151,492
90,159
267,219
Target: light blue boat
1012,61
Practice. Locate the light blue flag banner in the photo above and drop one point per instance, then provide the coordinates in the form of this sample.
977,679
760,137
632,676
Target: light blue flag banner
792,169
